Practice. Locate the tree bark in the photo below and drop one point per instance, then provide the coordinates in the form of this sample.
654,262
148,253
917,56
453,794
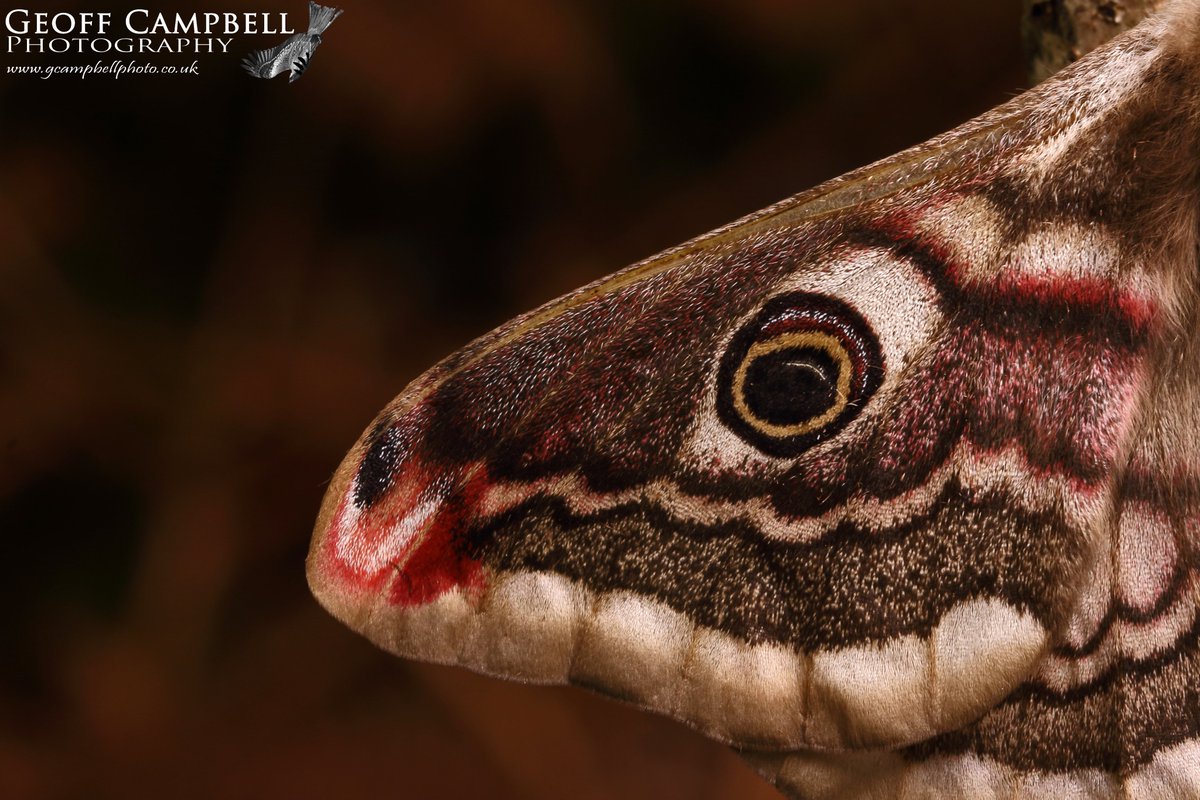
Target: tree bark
1058,32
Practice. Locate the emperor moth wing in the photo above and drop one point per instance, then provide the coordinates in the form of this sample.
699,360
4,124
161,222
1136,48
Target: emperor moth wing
879,479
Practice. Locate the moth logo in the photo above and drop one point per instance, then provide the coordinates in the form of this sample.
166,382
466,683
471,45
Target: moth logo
297,51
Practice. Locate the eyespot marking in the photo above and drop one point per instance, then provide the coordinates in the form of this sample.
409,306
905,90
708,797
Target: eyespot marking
797,373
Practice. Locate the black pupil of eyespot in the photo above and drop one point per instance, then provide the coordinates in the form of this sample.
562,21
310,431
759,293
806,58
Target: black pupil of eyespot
791,386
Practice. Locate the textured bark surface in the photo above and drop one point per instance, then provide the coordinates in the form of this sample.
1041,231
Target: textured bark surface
1057,32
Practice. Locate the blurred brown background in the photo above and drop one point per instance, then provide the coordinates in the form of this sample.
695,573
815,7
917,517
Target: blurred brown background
209,285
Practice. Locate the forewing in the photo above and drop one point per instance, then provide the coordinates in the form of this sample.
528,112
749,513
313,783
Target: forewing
840,476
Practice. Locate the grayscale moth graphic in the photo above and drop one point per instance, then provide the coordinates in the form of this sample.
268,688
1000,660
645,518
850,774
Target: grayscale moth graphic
893,486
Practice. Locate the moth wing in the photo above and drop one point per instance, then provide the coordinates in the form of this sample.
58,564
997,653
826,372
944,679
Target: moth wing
614,491
463,451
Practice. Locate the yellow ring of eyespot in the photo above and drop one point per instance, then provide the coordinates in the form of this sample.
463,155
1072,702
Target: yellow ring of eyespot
808,339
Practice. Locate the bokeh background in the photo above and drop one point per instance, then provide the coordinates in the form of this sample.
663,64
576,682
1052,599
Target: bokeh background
209,285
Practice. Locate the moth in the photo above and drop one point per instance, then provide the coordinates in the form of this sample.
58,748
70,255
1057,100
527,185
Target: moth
894,486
